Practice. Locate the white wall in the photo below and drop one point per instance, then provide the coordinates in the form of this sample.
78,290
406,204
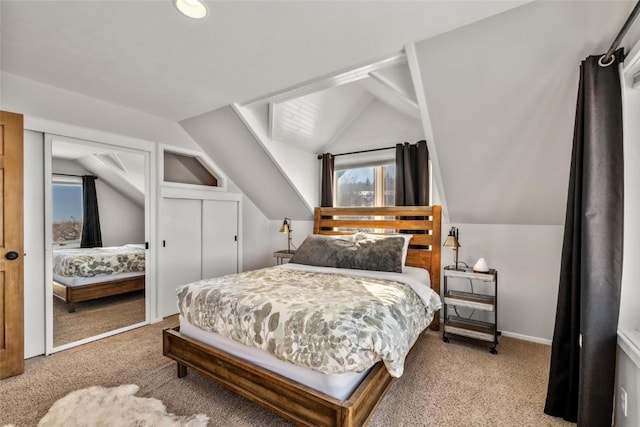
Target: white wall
39,100
378,126
34,289
527,258
121,221
628,360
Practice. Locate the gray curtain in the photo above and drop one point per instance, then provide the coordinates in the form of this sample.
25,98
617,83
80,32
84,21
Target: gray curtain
412,174
581,378
326,196
91,235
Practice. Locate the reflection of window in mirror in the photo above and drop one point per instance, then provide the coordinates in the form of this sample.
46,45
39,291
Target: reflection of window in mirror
67,211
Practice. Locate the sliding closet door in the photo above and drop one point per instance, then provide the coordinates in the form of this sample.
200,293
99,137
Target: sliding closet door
219,238
180,249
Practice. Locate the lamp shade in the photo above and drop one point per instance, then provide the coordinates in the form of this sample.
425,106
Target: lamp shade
286,226
451,242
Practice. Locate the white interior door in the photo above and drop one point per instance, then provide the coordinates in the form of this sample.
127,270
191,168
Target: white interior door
180,250
220,238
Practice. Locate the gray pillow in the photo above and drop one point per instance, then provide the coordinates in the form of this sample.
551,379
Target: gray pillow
365,254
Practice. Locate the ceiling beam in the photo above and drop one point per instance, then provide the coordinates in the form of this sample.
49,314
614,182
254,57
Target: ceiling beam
341,77
389,94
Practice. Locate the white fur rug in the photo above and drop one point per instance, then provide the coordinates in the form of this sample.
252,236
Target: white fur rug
116,406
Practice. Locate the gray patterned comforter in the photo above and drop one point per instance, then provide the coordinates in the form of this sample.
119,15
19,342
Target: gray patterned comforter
91,262
327,322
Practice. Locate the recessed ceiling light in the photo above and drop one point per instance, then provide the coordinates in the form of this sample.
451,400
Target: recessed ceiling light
191,8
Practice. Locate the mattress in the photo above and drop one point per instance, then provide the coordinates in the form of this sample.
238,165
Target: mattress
73,281
339,384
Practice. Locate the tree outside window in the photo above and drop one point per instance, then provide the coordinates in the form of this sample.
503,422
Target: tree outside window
67,212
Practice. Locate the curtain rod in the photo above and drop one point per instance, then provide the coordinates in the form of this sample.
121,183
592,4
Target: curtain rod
358,152
634,14
69,174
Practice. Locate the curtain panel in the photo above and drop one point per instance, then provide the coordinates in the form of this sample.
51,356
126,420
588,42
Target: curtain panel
412,174
583,355
91,235
326,196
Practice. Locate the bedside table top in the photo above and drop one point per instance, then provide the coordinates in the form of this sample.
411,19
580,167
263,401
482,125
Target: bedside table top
468,272
284,253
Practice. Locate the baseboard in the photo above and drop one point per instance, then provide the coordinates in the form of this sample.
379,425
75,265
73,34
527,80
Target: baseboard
526,337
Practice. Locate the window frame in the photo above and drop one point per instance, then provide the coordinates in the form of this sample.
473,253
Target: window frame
71,181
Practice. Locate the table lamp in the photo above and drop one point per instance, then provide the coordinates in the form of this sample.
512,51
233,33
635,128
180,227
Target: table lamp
453,243
286,228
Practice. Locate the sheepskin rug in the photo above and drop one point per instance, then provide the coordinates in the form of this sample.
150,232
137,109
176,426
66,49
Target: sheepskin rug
116,406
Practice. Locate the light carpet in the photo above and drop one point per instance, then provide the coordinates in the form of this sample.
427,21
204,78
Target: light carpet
115,406
453,384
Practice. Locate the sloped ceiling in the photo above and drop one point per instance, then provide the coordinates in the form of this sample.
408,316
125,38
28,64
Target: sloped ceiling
146,56
122,171
499,81
501,95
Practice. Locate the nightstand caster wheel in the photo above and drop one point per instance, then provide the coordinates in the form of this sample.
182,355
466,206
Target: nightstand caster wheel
445,339
493,351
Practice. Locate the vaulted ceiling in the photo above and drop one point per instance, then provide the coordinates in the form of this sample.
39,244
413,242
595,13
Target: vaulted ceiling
491,84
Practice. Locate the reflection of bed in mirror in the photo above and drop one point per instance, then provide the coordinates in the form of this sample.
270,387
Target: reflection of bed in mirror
91,273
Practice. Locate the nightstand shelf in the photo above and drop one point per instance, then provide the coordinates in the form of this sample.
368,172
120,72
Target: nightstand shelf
476,329
468,299
456,326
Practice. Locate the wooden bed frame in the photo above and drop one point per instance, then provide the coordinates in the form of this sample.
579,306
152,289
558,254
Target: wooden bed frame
289,399
73,294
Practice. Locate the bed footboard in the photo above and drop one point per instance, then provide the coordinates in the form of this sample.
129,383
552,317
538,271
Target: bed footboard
289,399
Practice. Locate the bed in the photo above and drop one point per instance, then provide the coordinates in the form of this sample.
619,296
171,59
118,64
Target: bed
285,393
89,273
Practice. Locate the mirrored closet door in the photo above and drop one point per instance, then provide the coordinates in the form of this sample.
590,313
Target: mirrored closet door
98,235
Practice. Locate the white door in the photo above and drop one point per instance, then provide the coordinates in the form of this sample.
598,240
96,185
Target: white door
219,238
180,250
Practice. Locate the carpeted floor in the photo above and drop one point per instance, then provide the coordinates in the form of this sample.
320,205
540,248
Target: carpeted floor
446,384
95,317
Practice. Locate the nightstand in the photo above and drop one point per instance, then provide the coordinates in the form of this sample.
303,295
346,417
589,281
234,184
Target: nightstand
456,326
282,255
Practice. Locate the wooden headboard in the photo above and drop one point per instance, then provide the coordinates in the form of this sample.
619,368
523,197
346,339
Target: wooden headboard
421,221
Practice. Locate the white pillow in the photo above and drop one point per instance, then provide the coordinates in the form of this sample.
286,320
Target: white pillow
405,248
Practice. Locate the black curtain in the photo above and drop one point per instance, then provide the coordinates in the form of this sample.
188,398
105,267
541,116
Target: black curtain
583,355
326,197
91,235
412,174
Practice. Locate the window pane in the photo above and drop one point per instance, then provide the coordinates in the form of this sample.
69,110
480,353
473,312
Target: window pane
389,184
67,213
355,187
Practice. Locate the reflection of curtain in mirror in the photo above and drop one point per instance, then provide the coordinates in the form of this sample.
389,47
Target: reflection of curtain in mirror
91,235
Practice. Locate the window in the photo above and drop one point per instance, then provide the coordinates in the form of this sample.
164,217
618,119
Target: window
371,185
67,211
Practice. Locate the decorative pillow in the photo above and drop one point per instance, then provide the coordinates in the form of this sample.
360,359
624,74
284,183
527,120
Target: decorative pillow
405,248
365,254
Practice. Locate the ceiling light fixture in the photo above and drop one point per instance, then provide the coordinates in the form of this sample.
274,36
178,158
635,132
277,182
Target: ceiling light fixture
195,9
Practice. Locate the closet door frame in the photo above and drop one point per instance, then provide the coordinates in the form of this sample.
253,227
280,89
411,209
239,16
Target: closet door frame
203,194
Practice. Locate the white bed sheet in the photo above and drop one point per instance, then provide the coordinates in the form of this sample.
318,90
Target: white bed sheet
339,386
80,281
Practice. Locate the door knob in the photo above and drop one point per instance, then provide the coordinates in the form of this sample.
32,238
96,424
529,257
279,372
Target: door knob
12,255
